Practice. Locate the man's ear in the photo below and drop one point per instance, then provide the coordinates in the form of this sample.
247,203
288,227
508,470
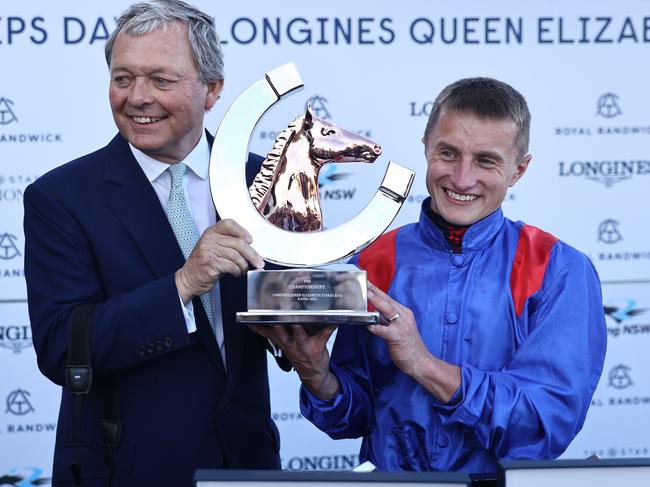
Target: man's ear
520,169
424,144
213,94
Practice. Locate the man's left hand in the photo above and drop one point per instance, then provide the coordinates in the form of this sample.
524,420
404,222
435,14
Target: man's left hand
400,331
407,350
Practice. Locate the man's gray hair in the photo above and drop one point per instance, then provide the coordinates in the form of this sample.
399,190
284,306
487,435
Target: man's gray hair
143,18
486,98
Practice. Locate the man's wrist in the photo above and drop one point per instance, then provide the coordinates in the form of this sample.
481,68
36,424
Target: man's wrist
183,292
324,386
440,378
421,366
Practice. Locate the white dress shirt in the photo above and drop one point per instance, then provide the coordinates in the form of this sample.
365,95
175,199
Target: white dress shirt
199,201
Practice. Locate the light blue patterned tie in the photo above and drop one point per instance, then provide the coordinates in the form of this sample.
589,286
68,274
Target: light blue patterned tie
184,228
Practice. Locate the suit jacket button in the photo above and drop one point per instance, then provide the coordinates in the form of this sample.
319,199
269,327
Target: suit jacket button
159,345
142,352
169,341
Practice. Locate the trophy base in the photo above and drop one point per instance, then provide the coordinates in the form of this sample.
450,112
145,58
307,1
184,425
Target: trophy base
337,317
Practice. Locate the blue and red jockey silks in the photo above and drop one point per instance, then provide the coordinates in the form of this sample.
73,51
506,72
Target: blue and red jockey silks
519,312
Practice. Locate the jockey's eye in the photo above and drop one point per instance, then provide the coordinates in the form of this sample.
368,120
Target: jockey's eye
325,132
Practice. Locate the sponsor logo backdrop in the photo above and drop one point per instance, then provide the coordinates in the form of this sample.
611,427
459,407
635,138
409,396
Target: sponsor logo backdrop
373,68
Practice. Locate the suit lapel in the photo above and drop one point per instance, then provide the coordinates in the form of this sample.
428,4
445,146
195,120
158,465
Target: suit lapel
136,205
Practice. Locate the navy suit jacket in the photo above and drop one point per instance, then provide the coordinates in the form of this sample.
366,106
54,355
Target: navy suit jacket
96,233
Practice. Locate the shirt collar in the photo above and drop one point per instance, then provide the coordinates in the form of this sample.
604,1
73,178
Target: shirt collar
197,160
477,236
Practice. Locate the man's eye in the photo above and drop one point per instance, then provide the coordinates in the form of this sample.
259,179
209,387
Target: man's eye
162,82
121,80
446,155
485,162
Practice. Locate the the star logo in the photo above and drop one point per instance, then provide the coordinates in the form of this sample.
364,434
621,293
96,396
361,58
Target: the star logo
7,115
608,232
319,107
608,106
18,403
619,377
8,247
623,313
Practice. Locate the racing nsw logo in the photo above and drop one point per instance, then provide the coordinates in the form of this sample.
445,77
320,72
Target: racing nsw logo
608,231
607,106
623,311
24,477
18,403
330,175
626,318
7,114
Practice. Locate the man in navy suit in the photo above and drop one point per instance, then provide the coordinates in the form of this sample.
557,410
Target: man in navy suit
193,386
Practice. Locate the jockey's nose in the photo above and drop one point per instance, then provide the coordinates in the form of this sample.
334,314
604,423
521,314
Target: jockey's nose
377,149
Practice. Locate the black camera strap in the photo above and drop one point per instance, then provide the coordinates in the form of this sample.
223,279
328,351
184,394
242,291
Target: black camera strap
110,421
79,372
79,380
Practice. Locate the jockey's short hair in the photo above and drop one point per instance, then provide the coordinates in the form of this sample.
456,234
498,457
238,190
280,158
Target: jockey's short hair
486,98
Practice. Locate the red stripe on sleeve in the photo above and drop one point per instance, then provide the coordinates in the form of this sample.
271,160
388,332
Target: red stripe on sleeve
378,260
531,259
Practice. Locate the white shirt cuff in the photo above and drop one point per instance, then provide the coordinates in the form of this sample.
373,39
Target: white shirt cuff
188,314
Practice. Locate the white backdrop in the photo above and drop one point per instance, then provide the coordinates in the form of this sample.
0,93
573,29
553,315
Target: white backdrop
371,67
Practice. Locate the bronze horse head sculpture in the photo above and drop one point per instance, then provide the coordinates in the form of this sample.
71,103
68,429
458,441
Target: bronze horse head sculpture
285,191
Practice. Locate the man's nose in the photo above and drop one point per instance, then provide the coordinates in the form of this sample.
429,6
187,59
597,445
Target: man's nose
141,92
463,175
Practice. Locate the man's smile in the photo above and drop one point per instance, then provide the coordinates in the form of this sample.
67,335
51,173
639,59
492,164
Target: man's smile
145,120
460,197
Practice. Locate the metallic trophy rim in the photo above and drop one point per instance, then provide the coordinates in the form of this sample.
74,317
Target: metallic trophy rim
232,200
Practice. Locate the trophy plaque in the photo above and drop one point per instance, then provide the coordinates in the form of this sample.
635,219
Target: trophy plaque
308,296
281,210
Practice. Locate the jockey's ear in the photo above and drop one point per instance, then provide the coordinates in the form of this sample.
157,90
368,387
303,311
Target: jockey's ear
309,120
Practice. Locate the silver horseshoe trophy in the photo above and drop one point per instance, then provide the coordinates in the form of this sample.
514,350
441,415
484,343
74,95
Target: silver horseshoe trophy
301,294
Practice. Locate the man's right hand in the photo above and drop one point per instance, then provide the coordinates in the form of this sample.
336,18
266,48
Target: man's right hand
308,354
224,248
